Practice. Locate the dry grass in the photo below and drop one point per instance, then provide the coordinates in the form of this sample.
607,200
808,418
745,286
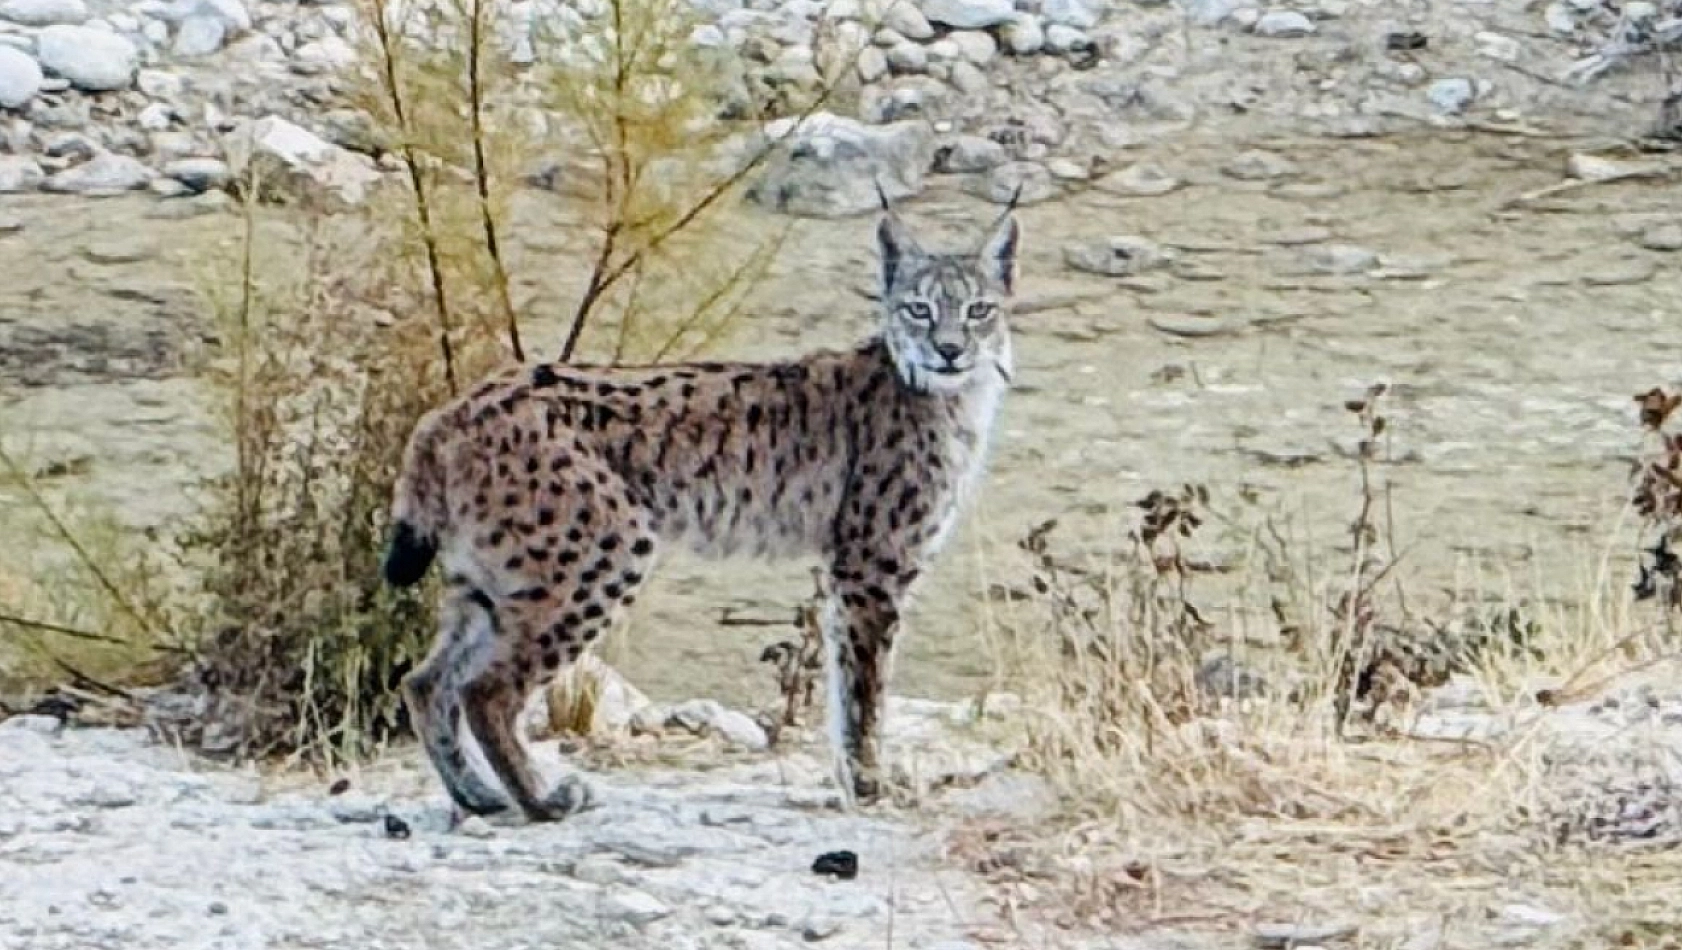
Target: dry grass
1205,783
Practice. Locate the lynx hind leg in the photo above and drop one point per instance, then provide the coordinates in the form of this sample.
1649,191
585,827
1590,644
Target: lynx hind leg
431,693
563,590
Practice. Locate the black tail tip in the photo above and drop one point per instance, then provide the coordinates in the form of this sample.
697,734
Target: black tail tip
409,556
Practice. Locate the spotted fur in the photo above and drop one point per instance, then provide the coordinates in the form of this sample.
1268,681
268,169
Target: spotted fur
546,492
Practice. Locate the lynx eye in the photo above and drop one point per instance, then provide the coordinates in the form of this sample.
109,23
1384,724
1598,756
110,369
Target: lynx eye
981,310
917,310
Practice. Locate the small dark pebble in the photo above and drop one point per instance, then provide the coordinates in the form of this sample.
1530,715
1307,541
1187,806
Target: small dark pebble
396,828
840,864
340,787
1401,42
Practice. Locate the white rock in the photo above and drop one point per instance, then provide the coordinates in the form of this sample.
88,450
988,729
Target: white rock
1284,23
903,17
1029,182
199,36
943,50
155,117
299,159
1559,19
1211,12
969,153
19,173
20,78
706,716
635,907
1529,915
232,13
975,46
834,164
969,14
91,59
795,65
1023,35
1080,14
873,64
707,35
105,174
908,58
1452,96
158,84
1065,39
967,78
1498,46
43,12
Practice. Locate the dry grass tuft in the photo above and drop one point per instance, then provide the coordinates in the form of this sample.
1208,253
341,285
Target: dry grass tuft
1323,750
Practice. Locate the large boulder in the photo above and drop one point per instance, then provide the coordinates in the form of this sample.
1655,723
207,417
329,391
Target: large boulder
291,161
831,167
20,78
91,59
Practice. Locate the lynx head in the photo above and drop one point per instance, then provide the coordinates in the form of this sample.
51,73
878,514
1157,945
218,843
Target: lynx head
945,313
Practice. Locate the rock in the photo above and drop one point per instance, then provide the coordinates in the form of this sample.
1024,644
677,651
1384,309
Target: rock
1661,237
708,717
1338,258
90,59
969,153
635,907
1284,24
975,46
904,18
1065,39
9,225
20,78
1287,936
1080,14
908,58
44,12
969,14
833,165
159,85
295,160
795,66
118,250
1497,46
1189,326
1067,169
19,173
1452,96
198,174
1142,179
1529,915
155,117
1023,35
968,78
1116,257
873,64
38,725
1030,182
199,36
1258,165
105,174
1210,12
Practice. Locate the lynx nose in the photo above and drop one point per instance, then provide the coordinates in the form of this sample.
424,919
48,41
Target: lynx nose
949,351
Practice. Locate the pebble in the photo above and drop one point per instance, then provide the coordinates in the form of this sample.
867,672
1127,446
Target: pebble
199,36
20,78
43,12
1065,39
1284,24
117,251
1661,237
1339,258
90,59
1453,95
636,907
1023,35
873,64
969,14
1080,14
19,173
1115,257
967,78
105,174
969,153
975,46
907,20
1258,165
1142,179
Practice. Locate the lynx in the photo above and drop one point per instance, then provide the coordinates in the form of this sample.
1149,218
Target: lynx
548,490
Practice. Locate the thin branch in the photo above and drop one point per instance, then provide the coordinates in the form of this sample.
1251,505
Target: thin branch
482,175
417,181
76,633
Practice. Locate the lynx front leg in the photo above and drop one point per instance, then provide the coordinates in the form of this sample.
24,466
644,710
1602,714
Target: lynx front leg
858,646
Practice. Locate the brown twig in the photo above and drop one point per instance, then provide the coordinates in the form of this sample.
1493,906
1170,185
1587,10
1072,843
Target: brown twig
482,175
